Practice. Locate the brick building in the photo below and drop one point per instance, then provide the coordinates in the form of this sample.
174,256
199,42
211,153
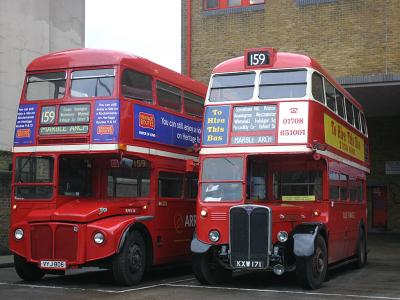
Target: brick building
357,41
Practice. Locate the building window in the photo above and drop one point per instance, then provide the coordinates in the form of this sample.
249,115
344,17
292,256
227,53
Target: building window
234,3
223,4
211,4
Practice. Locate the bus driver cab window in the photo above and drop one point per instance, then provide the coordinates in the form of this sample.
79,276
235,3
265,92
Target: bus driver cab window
75,177
256,179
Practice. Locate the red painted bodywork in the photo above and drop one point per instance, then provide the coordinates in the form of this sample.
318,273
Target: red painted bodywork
49,225
341,218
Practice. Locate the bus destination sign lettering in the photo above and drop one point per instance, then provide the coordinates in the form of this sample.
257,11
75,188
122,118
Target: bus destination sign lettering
254,118
71,129
253,139
73,114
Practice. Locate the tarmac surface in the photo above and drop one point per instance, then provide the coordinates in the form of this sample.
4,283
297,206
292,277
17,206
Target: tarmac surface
379,279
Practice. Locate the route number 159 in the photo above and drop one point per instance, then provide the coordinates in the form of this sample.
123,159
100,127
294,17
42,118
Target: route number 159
258,58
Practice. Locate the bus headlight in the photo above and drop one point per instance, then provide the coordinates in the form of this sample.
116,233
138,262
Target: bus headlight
18,234
282,236
98,238
213,235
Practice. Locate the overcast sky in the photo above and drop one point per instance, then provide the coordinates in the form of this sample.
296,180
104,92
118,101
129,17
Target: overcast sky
151,29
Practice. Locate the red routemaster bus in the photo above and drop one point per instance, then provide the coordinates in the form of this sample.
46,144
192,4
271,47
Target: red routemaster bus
283,165
102,160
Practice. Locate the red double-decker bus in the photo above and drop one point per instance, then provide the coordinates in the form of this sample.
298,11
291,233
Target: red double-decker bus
103,164
283,166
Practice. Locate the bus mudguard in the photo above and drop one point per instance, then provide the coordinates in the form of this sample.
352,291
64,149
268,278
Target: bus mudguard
198,247
304,237
127,229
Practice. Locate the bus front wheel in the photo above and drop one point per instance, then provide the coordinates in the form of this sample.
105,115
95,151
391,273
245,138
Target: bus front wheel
129,264
26,270
311,271
207,269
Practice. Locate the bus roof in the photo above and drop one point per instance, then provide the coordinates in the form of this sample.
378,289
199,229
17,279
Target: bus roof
282,60
86,57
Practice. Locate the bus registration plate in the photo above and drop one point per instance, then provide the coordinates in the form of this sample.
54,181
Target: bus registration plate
53,264
248,264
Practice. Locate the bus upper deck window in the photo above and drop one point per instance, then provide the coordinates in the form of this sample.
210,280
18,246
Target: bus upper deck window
283,84
340,104
193,104
46,86
168,96
92,83
232,87
357,118
330,95
317,87
349,112
136,85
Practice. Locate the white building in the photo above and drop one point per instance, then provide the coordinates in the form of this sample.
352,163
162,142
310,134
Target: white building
28,29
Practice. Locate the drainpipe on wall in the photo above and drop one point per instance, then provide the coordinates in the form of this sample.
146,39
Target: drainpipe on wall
188,38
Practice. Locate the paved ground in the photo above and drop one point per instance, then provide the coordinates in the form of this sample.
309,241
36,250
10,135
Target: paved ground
380,279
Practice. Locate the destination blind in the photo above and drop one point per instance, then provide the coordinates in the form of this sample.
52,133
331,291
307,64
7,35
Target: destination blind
249,119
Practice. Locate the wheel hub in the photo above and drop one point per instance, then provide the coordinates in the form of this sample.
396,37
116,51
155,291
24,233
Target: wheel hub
134,257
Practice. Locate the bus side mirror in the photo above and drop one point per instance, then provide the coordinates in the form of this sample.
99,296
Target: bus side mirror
126,162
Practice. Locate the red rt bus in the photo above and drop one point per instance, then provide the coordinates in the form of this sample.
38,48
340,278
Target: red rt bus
284,158
102,149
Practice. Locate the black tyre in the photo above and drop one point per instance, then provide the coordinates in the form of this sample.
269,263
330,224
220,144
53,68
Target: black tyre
361,254
26,270
128,266
207,269
311,271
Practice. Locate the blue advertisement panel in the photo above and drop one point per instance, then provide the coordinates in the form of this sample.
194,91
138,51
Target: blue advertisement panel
25,125
162,127
216,121
106,121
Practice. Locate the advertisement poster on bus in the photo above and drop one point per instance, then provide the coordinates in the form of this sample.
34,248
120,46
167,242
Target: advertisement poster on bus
25,125
106,121
165,128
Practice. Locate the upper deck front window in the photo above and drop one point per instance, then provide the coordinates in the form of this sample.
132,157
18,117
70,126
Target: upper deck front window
283,84
232,87
92,83
46,86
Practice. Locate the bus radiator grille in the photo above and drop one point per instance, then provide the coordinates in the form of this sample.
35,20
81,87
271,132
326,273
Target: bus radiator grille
66,242
41,242
54,241
249,235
